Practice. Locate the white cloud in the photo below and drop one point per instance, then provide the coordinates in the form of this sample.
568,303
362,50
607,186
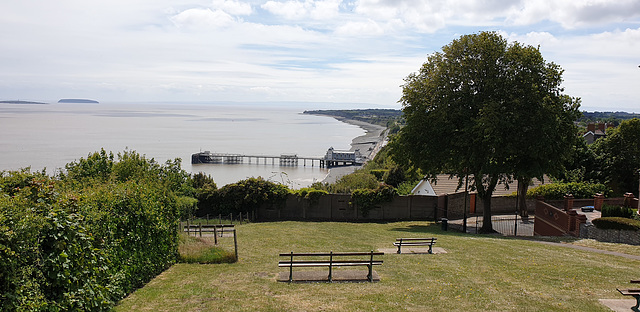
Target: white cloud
198,18
364,28
297,10
233,7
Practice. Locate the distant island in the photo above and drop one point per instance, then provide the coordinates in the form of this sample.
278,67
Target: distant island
20,102
78,101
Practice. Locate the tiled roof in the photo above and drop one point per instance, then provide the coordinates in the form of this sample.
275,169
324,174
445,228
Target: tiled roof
444,185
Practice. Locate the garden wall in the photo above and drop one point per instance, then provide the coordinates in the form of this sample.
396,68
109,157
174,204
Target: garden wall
589,231
336,207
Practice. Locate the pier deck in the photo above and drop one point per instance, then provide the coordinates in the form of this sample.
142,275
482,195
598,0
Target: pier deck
208,157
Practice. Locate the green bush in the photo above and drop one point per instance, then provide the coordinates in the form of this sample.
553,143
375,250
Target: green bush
354,181
244,196
378,173
367,199
616,223
83,240
616,211
559,190
311,194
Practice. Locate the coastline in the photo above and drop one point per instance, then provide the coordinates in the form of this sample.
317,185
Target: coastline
368,145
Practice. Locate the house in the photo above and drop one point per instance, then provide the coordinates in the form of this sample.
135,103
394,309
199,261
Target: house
596,131
423,188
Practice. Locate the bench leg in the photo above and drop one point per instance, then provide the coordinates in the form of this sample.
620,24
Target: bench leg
370,275
430,249
399,246
635,308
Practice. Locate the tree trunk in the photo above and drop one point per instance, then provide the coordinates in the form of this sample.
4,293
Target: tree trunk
485,193
523,186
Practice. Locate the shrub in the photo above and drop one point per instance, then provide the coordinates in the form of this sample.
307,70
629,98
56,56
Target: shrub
378,173
616,211
367,199
577,189
616,223
311,194
246,195
354,181
406,187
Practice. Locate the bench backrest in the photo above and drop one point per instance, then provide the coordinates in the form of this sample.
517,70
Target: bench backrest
431,239
328,254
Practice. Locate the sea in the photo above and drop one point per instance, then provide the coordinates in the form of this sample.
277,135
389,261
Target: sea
49,136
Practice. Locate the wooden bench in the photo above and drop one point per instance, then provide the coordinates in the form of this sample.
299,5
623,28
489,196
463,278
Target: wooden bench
635,293
329,260
415,242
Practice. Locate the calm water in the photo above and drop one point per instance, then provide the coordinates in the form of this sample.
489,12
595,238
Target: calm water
50,136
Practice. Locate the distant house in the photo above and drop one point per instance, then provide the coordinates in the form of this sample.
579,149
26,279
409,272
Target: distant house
596,131
423,188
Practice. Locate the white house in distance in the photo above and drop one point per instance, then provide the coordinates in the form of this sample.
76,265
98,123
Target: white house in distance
423,188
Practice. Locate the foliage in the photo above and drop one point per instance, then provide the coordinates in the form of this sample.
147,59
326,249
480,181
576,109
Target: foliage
406,187
244,196
88,237
618,152
394,176
616,211
577,189
486,108
367,199
354,181
616,223
311,194
379,173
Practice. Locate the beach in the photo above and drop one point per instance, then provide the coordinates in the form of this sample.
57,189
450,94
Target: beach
368,145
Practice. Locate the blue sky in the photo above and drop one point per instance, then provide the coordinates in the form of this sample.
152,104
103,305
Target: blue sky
298,51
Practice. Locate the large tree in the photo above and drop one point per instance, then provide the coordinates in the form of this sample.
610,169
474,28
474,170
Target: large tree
619,154
485,108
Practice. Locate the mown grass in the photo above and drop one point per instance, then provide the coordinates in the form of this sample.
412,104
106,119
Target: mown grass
478,273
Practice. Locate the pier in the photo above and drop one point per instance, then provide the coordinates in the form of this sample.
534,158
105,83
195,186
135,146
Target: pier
331,159
283,159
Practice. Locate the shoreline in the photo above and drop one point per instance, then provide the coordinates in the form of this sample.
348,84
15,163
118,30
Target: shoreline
367,144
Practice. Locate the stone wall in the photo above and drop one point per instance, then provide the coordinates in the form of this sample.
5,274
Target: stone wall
589,231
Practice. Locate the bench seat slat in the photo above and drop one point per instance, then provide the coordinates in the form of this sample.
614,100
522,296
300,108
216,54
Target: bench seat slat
411,239
335,254
414,244
323,264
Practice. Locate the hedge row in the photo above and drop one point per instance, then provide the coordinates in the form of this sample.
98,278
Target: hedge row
616,223
577,189
83,240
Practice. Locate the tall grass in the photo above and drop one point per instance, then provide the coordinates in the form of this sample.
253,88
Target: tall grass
202,250
477,273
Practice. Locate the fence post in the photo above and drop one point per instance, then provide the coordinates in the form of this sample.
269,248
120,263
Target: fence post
188,228
235,243
215,235
200,228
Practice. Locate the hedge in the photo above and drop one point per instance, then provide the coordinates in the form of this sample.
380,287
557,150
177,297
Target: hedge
616,223
577,189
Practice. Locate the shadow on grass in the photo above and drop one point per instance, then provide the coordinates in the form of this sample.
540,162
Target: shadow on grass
432,228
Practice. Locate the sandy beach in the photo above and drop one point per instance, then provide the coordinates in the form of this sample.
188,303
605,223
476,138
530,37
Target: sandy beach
368,145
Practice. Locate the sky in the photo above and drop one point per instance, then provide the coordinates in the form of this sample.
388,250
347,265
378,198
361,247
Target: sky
335,51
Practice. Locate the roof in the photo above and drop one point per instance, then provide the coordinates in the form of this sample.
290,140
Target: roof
444,185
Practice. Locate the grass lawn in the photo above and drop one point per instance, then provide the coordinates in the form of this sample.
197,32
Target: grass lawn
478,273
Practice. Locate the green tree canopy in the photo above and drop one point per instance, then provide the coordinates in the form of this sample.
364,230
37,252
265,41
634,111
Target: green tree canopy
619,154
487,108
